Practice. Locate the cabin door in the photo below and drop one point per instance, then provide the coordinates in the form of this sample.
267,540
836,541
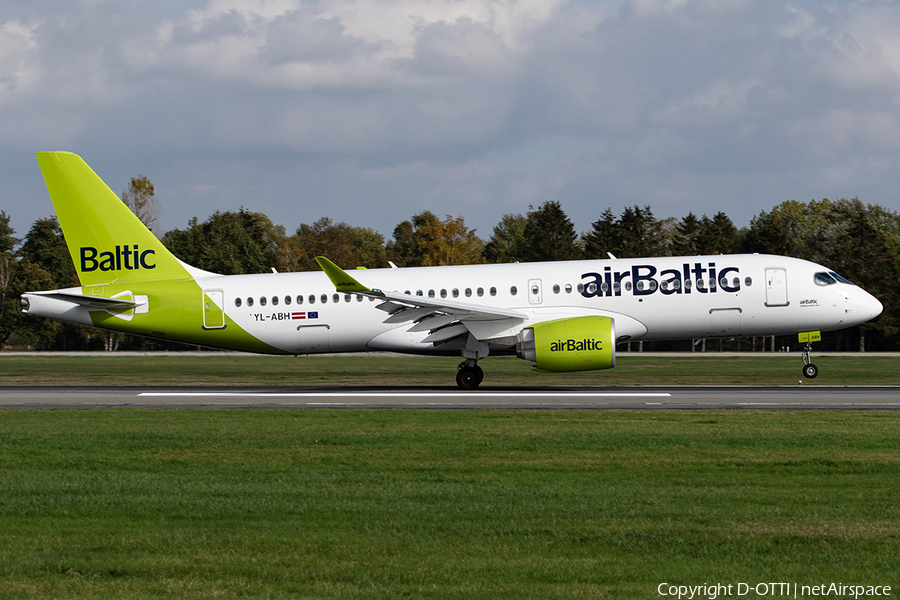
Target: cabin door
213,309
776,287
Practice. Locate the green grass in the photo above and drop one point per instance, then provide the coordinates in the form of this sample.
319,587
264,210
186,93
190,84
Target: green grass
631,369
442,504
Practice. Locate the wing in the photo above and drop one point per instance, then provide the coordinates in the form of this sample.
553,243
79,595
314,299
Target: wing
444,319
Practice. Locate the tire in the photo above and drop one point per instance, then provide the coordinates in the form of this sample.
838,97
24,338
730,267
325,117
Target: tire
469,378
810,371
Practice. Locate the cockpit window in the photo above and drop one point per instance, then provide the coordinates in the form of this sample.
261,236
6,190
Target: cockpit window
839,278
824,279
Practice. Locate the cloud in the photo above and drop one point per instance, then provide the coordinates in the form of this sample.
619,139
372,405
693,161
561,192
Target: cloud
368,111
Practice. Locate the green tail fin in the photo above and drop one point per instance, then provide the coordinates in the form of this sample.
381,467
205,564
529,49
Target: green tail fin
108,243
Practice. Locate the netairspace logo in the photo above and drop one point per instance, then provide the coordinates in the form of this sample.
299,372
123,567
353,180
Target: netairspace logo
771,590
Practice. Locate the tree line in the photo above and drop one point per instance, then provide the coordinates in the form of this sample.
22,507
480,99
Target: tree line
860,241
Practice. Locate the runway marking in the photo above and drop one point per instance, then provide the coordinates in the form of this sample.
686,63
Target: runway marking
815,403
404,395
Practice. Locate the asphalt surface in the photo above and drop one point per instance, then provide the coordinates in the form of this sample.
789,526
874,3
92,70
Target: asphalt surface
800,397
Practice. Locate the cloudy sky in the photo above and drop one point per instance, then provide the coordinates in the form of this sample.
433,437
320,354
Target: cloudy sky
369,111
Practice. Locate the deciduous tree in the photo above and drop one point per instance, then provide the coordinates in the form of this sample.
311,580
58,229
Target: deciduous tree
228,242
139,197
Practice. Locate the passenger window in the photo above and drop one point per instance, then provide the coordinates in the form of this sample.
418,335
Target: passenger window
493,291
480,292
604,287
748,282
513,291
312,299
237,302
627,286
323,298
359,298
431,293
580,288
299,299
274,300
287,300
346,297
336,298
419,293
555,288
262,301
249,301
468,292
443,293
455,293
568,288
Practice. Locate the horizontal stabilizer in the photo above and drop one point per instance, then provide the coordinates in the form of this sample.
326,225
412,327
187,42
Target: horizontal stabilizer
89,301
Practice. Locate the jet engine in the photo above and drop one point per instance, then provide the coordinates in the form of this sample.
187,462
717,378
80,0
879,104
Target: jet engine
570,344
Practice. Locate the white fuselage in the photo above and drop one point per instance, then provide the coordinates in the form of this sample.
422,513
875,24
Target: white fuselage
649,298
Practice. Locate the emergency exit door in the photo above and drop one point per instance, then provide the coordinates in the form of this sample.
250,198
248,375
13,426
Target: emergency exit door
535,295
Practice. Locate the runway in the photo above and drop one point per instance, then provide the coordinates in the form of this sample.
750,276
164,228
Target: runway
544,398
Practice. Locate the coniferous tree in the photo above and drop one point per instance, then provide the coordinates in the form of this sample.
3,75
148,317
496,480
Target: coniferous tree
549,234
605,237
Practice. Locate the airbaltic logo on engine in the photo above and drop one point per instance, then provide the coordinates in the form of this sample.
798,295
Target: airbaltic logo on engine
584,345
644,280
131,259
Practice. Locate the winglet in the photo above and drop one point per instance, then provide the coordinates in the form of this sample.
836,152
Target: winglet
341,280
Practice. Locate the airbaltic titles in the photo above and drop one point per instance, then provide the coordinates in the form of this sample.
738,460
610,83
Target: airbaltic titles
641,280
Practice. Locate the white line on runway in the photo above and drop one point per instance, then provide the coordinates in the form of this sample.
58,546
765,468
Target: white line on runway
403,395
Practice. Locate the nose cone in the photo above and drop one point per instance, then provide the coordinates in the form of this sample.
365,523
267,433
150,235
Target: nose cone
863,307
872,307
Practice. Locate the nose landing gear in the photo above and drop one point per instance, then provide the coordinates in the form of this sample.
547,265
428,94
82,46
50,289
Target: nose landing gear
809,370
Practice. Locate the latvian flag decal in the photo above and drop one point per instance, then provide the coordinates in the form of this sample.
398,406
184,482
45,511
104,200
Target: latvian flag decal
304,315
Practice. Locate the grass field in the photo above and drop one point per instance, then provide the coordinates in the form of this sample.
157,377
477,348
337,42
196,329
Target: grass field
442,504
631,369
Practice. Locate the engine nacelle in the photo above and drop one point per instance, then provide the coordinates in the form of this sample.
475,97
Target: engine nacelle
571,344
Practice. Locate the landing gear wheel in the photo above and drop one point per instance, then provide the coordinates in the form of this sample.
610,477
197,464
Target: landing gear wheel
469,377
810,371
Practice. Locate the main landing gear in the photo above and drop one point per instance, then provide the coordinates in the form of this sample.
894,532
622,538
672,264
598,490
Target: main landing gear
469,375
809,370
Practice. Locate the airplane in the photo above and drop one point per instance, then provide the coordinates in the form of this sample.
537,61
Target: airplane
561,316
